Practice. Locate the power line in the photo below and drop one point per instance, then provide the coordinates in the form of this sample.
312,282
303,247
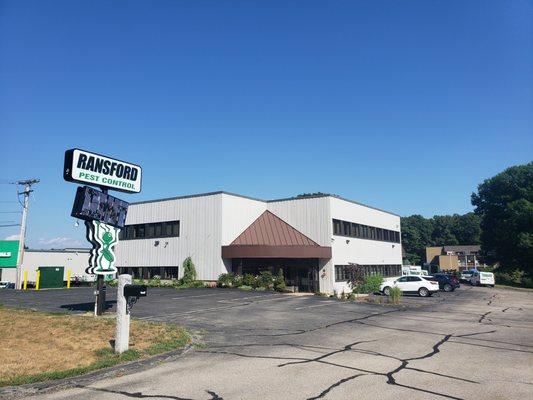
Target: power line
5,226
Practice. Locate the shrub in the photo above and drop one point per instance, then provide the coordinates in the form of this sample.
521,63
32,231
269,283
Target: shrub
245,287
226,280
261,288
370,284
394,295
237,280
154,282
355,274
189,272
279,281
249,280
266,279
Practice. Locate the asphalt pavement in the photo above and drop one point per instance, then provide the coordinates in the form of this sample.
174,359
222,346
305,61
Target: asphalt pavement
470,344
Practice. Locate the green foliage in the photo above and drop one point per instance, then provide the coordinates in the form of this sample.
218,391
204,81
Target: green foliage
245,287
516,277
279,281
370,284
441,230
266,279
356,274
154,282
226,280
260,289
249,280
505,205
315,194
394,295
189,272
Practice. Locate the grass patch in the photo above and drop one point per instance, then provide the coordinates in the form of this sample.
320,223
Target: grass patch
44,346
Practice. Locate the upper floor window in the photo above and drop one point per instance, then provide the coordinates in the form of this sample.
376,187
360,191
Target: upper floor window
150,231
351,229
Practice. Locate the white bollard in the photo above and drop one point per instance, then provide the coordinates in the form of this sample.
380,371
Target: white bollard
122,336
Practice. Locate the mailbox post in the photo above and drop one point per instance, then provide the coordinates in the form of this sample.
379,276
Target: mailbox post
127,296
122,337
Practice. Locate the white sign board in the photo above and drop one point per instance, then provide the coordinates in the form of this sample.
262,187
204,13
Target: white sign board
5,254
97,170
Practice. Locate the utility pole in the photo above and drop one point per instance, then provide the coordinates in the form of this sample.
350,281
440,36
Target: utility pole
27,190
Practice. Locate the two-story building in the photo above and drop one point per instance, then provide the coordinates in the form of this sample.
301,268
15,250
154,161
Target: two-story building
312,239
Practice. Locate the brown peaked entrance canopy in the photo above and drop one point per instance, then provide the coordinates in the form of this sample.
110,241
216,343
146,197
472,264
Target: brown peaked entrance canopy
271,237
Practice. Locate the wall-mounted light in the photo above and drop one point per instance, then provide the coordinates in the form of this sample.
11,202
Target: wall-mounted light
393,246
347,241
166,244
156,243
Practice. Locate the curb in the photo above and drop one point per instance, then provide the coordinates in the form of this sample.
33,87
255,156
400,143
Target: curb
23,391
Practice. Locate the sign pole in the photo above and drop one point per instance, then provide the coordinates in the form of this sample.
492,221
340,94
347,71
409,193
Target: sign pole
99,307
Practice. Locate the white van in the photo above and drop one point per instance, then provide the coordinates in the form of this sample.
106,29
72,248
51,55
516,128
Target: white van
482,278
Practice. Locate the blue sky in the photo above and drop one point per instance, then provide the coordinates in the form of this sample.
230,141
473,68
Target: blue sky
404,105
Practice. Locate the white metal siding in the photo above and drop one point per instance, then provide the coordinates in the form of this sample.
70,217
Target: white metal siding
238,213
310,216
363,251
200,236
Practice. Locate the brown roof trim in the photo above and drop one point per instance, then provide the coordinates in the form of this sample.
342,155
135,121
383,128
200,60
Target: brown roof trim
247,251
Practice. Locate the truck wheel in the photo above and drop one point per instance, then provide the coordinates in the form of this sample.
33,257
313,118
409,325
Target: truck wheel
423,292
386,291
447,287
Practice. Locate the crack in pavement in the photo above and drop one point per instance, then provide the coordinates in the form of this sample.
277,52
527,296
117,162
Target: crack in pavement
336,384
139,395
302,331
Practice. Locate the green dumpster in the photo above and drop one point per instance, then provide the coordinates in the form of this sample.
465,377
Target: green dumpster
51,277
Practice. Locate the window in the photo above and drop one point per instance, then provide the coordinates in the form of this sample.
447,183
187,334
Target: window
153,230
342,274
351,229
336,227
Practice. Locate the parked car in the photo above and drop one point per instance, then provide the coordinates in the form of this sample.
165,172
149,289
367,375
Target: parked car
411,284
7,285
466,276
447,283
482,278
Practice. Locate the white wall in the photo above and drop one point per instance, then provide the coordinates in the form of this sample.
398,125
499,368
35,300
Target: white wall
363,251
310,216
33,259
200,235
237,215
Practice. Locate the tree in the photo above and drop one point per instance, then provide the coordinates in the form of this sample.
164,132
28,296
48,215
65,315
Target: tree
416,236
505,205
467,228
441,230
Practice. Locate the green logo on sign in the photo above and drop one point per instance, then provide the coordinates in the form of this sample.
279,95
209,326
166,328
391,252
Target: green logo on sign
103,237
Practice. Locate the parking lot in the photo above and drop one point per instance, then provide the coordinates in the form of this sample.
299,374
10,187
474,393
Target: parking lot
471,343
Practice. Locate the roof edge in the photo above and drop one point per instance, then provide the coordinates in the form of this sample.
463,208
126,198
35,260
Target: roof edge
261,200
